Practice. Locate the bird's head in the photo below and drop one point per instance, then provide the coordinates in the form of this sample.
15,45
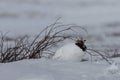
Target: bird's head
81,44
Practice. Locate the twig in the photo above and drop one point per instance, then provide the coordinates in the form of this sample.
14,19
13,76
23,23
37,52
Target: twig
100,55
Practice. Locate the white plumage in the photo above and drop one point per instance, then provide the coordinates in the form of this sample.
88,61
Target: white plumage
69,52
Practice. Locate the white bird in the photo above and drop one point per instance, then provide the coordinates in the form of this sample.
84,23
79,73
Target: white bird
71,52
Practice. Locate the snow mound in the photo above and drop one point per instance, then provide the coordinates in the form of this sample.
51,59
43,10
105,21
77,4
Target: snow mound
113,69
111,73
70,52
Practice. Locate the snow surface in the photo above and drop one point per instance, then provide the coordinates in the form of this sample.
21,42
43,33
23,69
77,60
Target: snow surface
70,52
101,18
113,69
44,69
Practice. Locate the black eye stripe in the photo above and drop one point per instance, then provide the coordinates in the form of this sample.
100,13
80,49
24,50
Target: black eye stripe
81,45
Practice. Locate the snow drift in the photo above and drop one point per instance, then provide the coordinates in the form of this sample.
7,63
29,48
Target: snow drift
44,69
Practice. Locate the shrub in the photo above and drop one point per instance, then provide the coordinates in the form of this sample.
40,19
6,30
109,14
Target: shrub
27,48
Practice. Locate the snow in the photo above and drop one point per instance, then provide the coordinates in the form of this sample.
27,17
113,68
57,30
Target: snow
44,69
113,69
70,52
101,18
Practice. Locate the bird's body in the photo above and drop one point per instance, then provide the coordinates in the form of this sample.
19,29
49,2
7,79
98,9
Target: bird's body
69,52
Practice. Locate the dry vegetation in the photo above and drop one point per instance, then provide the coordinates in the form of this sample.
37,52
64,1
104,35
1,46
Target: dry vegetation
40,46
25,48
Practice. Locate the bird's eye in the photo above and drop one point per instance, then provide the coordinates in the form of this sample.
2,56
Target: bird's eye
84,40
